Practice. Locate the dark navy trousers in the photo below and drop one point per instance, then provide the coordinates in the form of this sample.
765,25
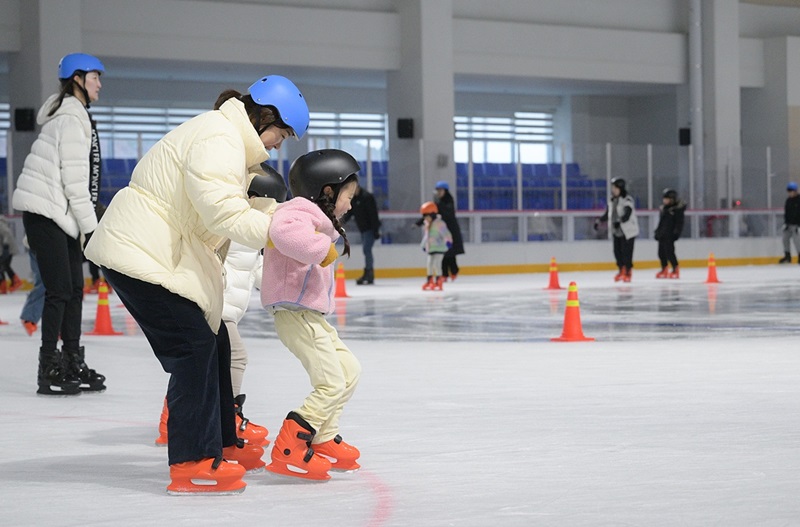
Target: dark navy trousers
199,396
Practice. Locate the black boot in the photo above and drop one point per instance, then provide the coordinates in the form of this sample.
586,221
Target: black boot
787,258
54,377
90,380
367,278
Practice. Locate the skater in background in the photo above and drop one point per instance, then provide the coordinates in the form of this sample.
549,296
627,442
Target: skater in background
791,223
56,196
243,271
670,227
621,214
297,288
161,244
8,249
436,241
365,211
447,210
31,312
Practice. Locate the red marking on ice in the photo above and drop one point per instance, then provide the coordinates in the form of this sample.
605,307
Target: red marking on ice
383,497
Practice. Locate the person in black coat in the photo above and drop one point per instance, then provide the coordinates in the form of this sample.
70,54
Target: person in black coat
670,227
791,223
365,211
447,210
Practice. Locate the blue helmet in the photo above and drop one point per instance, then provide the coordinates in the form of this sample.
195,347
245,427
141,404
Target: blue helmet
73,62
791,186
281,93
442,184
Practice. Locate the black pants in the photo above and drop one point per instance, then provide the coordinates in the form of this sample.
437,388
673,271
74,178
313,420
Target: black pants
60,259
449,265
199,396
666,253
623,251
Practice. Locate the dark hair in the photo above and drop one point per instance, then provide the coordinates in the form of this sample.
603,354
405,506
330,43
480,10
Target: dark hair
328,205
67,88
261,117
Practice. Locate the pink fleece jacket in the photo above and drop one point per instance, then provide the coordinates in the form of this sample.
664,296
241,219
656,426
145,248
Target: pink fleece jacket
299,239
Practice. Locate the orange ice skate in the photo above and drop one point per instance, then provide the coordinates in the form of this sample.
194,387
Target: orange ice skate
247,430
292,454
30,327
245,455
342,455
206,477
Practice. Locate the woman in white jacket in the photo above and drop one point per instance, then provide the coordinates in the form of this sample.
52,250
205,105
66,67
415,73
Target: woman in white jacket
160,246
56,194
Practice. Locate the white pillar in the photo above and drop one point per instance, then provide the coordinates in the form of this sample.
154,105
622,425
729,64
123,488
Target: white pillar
422,89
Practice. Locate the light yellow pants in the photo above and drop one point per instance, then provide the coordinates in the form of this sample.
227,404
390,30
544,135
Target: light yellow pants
238,357
435,264
332,369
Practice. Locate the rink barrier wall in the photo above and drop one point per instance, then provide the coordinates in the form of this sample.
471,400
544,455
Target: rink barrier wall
399,260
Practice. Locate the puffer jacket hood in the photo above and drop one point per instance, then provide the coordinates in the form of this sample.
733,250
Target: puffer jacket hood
299,239
55,177
186,198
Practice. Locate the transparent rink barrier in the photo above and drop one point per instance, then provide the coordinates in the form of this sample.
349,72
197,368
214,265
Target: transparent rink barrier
565,226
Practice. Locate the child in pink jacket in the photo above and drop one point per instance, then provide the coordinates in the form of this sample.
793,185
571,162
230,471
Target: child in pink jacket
298,288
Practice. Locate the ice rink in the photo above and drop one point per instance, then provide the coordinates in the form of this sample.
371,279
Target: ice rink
685,411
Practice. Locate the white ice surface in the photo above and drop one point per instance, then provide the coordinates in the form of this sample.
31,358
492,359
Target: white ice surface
685,411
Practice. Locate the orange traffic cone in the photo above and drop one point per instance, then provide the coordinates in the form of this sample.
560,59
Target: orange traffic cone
553,275
572,318
102,322
340,285
712,270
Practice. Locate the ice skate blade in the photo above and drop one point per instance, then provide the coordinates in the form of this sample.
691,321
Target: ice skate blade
93,390
293,473
49,392
345,470
203,492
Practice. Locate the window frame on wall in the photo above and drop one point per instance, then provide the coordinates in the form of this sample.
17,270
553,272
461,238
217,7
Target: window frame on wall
492,139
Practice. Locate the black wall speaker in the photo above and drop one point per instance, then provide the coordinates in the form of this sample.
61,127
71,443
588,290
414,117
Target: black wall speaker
24,119
405,128
684,136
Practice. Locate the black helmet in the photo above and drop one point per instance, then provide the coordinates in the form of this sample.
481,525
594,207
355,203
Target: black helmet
311,172
268,183
670,193
619,183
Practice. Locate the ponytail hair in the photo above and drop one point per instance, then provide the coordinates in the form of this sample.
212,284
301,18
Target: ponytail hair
261,117
328,205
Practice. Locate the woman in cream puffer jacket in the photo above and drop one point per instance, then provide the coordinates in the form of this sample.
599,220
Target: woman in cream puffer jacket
56,193
161,244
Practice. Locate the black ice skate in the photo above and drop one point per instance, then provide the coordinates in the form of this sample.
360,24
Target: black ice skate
90,380
54,378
